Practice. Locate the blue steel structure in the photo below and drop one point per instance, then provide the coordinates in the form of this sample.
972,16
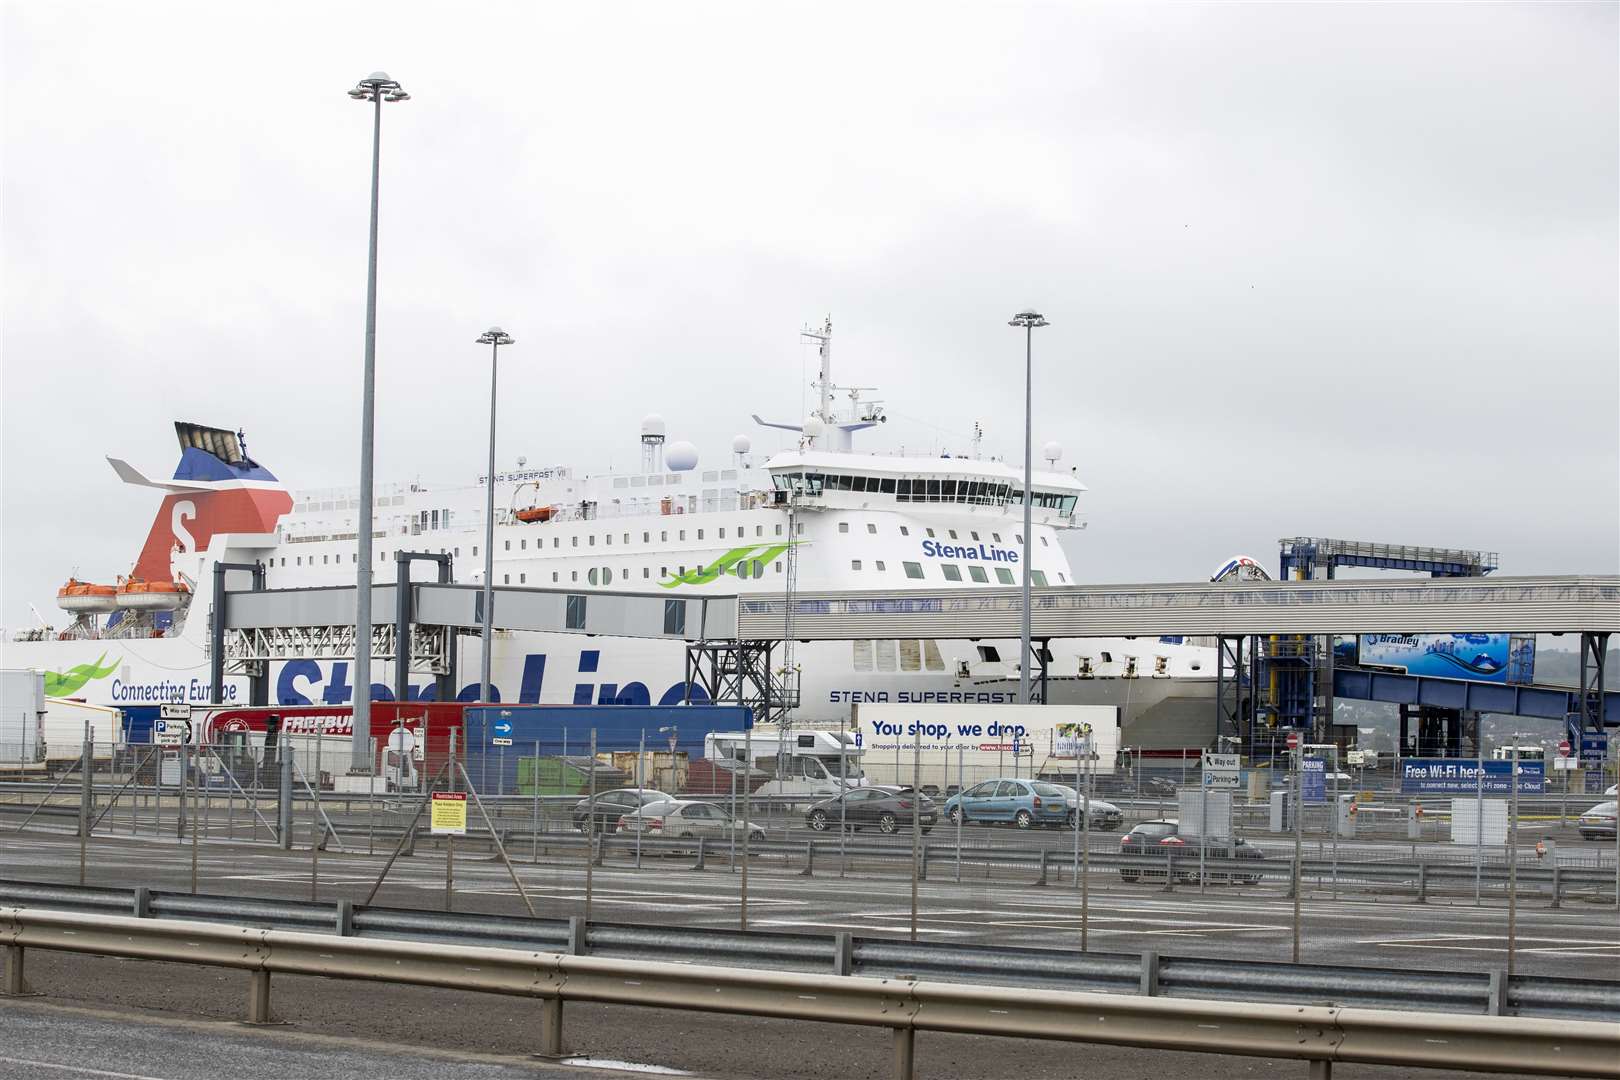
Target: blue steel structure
1302,556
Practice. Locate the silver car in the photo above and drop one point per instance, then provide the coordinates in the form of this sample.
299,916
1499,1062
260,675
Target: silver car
685,819
1598,823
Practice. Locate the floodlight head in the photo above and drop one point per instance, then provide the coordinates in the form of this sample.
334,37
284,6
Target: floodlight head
377,86
495,336
1027,318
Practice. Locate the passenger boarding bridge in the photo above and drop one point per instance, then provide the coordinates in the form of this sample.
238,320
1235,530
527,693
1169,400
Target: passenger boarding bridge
730,639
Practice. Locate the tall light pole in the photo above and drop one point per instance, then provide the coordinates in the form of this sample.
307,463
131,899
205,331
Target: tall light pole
494,337
375,88
1029,319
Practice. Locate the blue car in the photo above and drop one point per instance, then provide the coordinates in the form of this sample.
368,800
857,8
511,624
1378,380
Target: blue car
1024,803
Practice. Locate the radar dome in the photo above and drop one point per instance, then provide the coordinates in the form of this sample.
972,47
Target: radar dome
652,425
680,457
1052,451
814,426
741,444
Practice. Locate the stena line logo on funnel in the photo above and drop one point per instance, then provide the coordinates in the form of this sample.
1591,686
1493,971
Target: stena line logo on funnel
970,552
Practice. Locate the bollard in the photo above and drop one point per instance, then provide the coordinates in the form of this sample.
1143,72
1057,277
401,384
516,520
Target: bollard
259,997
1042,879
1170,873
551,1022
15,984
905,1053
1149,986
699,864
1557,884
809,859
1423,883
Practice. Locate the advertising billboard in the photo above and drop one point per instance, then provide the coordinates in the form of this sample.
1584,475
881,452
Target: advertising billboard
1502,658
1460,776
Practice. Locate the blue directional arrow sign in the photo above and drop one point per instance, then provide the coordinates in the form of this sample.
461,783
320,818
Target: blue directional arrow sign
503,728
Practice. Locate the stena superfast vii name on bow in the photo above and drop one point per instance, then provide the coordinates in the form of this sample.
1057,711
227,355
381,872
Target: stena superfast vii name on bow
821,516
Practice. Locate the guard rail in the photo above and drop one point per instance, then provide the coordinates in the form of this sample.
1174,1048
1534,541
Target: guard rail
1149,974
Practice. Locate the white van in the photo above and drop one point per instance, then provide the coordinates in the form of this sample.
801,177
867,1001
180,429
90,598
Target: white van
799,762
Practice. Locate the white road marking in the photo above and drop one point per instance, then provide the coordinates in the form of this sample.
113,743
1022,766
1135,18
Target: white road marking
80,1069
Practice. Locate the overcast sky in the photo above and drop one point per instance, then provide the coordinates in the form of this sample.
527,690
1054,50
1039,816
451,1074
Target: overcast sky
1333,270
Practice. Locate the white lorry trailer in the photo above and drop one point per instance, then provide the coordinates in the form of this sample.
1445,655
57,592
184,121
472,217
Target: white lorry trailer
68,723
945,747
22,714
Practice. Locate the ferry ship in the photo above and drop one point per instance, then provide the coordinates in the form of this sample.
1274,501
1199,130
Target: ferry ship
819,516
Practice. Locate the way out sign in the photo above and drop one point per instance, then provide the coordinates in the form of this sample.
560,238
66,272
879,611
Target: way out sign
449,813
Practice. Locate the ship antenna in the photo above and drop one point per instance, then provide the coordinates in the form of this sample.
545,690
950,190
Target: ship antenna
978,437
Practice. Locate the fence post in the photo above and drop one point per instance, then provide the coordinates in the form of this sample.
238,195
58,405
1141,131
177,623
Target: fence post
1042,879
15,984
551,1025
1557,882
345,918
143,902
284,795
905,1053
809,859
1149,986
1496,994
258,997
699,864
1423,883
843,953
1170,873
922,863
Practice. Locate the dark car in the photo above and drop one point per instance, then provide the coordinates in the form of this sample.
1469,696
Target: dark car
888,809
1162,838
612,805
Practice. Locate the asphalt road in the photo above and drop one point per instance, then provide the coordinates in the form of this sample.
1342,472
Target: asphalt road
1366,928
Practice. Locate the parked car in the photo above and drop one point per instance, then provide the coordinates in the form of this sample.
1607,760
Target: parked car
1162,837
1024,803
1614,789
1158,785
1104,815
613,805
686,819
884,807
1598,823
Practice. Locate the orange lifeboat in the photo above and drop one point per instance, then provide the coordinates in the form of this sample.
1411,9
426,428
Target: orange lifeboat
533,514
137,594
82,596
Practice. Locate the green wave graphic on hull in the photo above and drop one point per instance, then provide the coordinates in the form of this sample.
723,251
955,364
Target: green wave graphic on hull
63,683
727,564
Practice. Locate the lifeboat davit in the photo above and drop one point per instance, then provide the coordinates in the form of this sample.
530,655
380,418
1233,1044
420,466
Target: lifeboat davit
82,596
533,514
136,594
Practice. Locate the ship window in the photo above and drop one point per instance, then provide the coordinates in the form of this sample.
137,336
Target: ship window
974,535
573,541
681,534
1004,575
741,569
910,655
682,570
646,571
888,487
904,531
1063,577
996,537
607,575
1038,577
300,561
951,572
1108,658
663,535
506,579
574,617
458,553
663,571
722,532
854,564
947,490
323,560
779,530
863,654
523,544
879,565
843,526
871,528
913,570
1018,538
607,538
758,567
674,616
931,658
930,532
778,566
508,544
593,540
573,575
759,530
885,655
646,538
977,574
711,475
554,577
933,491
951,533
989,654
700,534
1044,543
590,575
523,579
800,530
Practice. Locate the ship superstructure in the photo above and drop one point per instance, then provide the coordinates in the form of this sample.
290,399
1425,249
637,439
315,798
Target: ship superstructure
818,516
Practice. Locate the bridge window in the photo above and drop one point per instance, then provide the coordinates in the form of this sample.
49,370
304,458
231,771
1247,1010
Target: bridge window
904,531
1038,577
974,535
674,616
950,571
931,658
574,616
951,533
977,574
989,654
885,656
996,537
910,655
880,566
1004,576
863,654
913,570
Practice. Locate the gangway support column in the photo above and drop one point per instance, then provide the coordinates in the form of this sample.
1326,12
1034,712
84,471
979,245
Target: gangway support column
258,671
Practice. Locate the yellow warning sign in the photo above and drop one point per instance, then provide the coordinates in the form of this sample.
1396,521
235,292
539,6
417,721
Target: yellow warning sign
449,813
